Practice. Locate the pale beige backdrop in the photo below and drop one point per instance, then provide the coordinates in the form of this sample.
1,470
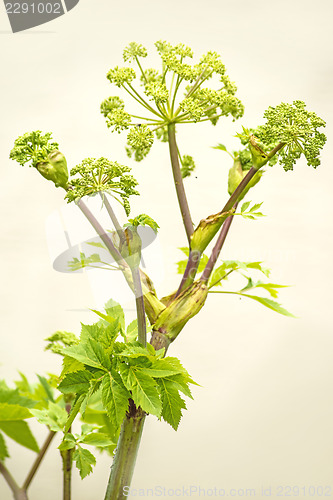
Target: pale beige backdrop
264,414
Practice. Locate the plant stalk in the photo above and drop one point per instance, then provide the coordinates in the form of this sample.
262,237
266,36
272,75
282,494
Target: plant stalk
127,449
178,180
140,306
18,493
217,249
67,461
101,233
38,460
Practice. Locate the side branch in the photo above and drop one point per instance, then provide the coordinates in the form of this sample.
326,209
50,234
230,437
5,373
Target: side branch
38,460
101,233
18,493
178,180
217,249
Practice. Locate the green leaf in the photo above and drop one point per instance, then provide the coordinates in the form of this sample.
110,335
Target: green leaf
115,310
172,403
77,382
132,331
271,304
70,365
270,287
185,250
217,276
12,396
164,368
97,244
13,412
115,398
90,353
245,206
68,443
143,388
19,431
54,416
3,448
101,333
84,461
47,388
221,147
99,439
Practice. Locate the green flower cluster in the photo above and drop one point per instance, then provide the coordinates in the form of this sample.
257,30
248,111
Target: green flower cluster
133,51
188,166
120,76
101,174
297,128
116,117
140,139
33,148
175,94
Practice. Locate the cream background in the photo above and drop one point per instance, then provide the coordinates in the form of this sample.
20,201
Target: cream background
264,414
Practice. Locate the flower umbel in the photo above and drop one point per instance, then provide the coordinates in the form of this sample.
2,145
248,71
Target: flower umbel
96,175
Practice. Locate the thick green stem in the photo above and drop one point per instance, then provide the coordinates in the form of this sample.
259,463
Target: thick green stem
181,195
67,460
127,449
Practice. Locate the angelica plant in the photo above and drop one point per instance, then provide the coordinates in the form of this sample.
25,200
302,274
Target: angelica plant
112,376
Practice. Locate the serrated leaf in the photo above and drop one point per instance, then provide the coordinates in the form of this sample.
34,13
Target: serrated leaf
12,396
164,368
84,461
181,383
115,398
185,250
255,207
132,331
77,382
68,443
70,365
97,439
3,448
172,403
13,412
217,276
245,206
103,334
54,416
143,388
115,310
90,353
19,431
181,266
